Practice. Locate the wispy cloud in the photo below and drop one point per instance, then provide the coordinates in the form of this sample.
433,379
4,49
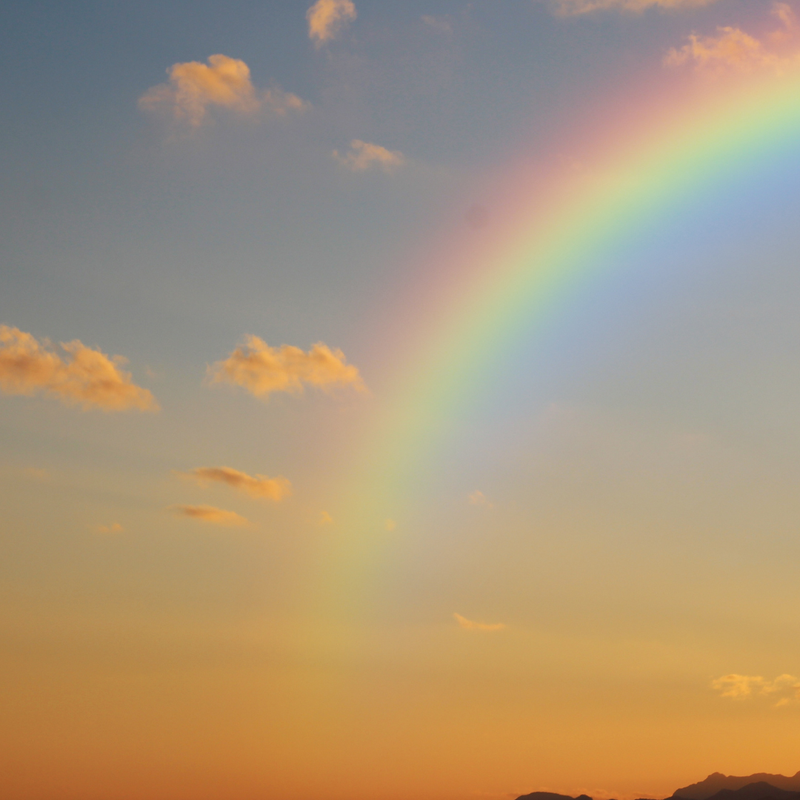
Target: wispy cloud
364,155
215,516
471,625
733,49
262,369
224,82
259,486
784,689
438,24
327,18
114,527
571,8
35,474
389,524
325,518
81,376
478,498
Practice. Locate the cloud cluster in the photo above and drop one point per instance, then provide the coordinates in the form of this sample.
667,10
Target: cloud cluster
224,82
471,625
82,376
259,486
733,49
262,369
571,8
327,18
784,689
212,515
364,155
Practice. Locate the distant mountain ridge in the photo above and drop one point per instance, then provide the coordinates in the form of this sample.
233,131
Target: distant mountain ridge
761,786
717,782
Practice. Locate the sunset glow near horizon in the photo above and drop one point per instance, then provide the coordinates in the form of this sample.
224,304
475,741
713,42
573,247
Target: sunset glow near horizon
398,400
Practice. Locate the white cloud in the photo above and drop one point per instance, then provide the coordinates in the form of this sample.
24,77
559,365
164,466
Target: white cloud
224,82
327,18
364,155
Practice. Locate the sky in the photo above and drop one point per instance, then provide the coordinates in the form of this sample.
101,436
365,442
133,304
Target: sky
398,399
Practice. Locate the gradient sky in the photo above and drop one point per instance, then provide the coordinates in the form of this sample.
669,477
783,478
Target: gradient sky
276,522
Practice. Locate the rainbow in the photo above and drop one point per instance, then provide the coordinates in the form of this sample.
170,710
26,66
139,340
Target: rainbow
668,168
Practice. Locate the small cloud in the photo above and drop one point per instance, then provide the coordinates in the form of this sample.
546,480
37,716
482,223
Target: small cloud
262,369
327,18
325,518
364,155
478,498
733,49
114,527
470,625
438,24
390,524
785,689
224,82
259,486
215,516
35,474
572,8
82,376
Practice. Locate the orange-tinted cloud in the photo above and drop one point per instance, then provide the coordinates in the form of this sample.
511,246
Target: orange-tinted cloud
82,376
259,486
364,155
114,527
733,49
325,518
571,8
215,516
224,82
471,625
784,689
262,369
389,524
478,498
326,19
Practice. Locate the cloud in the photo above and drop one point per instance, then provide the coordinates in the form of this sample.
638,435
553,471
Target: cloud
325,518
390,524
470,625
259,486
262,369
572,8
438,24
364,155
215,516
83,376
35,474
224,82
114,527
733,49
478,498
785,688
326,19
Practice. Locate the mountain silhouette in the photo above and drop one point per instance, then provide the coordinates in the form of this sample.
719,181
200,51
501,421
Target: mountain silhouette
760,790
553,796
717,783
